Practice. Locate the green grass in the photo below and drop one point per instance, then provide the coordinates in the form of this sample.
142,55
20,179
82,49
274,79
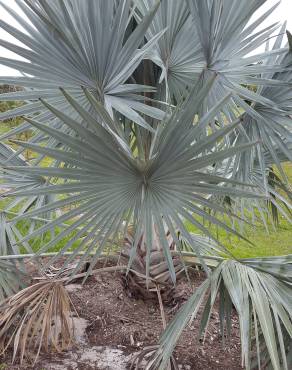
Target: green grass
264,243
6,125
271,243
39,242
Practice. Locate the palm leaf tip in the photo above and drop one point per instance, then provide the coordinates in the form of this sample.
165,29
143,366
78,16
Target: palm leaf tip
289,37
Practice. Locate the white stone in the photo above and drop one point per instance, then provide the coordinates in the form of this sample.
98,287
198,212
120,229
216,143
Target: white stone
101,358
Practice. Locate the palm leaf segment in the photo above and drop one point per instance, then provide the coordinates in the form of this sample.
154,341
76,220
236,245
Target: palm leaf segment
11,273
270,123
9,156
198,38
78,43
111,186
271,126
268,117
227,39
178,51
217,38
260,290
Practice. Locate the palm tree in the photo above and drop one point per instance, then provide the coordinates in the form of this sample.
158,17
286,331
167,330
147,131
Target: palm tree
153,115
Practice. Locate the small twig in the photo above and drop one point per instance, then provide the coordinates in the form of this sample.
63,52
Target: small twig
162,312
127,319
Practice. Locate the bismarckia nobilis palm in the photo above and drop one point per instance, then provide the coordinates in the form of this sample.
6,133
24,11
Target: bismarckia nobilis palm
154,116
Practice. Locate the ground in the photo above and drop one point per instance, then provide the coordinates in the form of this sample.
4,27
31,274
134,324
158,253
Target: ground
118,326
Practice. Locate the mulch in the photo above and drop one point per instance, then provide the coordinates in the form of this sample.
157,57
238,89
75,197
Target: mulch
117,319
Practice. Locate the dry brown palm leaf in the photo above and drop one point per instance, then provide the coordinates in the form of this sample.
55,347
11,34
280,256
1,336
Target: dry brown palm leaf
62,273
37,317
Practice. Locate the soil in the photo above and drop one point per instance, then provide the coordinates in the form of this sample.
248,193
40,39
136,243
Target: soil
116,324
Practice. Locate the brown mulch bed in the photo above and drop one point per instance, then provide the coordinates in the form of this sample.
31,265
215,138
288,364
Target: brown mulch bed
118,320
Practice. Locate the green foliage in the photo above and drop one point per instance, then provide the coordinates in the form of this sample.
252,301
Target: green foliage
6,125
